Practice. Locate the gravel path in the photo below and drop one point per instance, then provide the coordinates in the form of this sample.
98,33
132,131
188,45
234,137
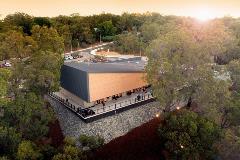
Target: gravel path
108,127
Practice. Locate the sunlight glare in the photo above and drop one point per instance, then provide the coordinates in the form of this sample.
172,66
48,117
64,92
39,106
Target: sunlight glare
204,15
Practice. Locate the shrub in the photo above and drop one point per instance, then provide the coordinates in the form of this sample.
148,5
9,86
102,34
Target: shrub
91,141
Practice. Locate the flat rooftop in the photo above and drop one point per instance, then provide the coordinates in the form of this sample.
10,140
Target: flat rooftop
130,65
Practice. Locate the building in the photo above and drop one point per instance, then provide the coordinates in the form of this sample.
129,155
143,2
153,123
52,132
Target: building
99,82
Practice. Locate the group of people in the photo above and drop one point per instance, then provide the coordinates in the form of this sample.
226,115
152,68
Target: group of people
115,97
85,112
100,102
89,111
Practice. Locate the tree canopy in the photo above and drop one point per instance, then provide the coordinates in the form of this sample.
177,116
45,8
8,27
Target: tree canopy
186,135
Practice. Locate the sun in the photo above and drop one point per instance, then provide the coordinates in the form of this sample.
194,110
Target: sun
203,15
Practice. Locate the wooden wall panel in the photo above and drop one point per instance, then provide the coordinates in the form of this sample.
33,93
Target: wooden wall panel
102,85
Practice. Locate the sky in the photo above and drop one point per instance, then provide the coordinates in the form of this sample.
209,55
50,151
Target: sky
195,8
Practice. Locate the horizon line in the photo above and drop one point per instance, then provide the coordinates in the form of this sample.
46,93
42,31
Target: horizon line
2,16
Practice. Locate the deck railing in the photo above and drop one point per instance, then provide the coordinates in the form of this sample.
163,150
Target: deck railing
90,112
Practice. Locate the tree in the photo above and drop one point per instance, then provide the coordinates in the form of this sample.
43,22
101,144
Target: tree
70,151
107,29
229,146
150,31
234,69
27,150
29,116
232,53
18,76
47,151
9,140
13,42
130,22
5,75
40,72
64,32
128,43
42,21
21,21
43,72
3,90
3,27
62,24
230,113
188,136
179,69
47,39
15,45
81,31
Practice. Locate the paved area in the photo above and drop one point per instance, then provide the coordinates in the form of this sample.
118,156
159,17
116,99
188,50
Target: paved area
86,52
108,127
73,99
89,49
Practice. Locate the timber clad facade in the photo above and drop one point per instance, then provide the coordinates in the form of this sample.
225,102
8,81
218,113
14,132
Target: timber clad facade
102,85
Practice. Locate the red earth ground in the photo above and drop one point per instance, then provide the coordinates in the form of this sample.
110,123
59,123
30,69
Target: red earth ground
55,134
142,143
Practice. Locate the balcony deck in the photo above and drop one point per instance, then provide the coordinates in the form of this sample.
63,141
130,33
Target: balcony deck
110,108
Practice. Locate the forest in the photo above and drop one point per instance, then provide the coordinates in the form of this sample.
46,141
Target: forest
198,62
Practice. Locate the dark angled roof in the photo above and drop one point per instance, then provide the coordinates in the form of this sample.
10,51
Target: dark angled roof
122,66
